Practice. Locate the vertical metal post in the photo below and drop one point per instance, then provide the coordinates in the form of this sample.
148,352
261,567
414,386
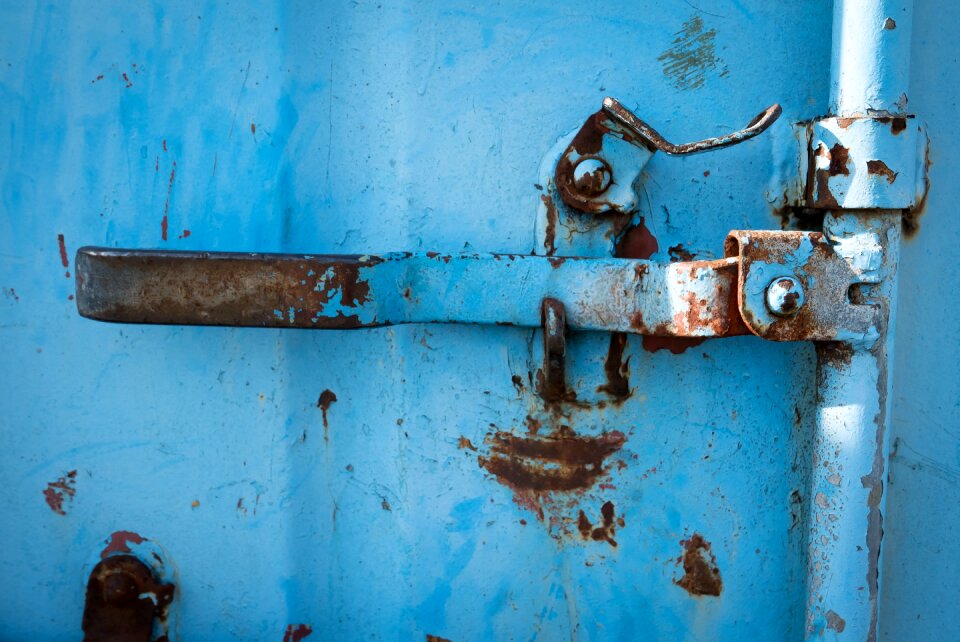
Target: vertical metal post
869,79
870,63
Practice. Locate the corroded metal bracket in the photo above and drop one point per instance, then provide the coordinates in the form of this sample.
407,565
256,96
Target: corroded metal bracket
553,383
725,297
596,171
824,278
123,600
873,161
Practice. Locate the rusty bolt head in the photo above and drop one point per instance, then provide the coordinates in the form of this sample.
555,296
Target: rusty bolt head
784,296
592,177
119,589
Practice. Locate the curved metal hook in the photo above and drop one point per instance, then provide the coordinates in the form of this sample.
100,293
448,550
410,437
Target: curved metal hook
648,134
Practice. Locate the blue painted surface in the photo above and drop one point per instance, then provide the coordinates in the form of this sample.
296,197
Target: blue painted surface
355,128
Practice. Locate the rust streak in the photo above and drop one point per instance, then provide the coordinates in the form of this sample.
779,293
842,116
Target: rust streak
617,368
327,397
64,260
550,234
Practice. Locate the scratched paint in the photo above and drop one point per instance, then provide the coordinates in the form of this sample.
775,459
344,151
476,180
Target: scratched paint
692,56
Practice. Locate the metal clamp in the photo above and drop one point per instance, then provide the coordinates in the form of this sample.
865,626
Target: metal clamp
552,383
596,171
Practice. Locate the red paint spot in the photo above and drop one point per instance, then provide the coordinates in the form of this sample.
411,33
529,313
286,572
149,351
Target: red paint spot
296,634
126,79
118,543
164,144
56,492
69,297
185,234
63,251
166,205
98,78
253,128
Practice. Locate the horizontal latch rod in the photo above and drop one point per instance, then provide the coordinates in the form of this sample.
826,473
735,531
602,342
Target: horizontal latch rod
686,299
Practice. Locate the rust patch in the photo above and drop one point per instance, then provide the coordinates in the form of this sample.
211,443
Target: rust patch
291,290
839,159
554,475
517,381
118,543
700,573
835,354
834,621
897,125
436,638
296,632
589,139
327,397
59,491
845,122
889,24
617,368
636,243
604,531
561,461
533,424
550,234
879,168
466,444
691,55
680,253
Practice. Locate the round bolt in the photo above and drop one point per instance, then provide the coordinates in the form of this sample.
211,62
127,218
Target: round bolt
784,296
592,177
119,589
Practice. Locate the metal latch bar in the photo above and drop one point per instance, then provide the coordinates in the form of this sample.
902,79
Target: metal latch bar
691,299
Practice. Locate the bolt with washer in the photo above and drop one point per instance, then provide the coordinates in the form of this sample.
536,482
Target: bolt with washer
592,177
784,296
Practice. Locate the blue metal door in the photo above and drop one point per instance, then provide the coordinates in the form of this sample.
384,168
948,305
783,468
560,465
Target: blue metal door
418,481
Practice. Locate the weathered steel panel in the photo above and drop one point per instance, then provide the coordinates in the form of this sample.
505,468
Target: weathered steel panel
411,481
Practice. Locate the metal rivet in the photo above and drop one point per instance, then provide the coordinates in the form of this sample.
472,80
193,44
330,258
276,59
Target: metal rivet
592,177
784,296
